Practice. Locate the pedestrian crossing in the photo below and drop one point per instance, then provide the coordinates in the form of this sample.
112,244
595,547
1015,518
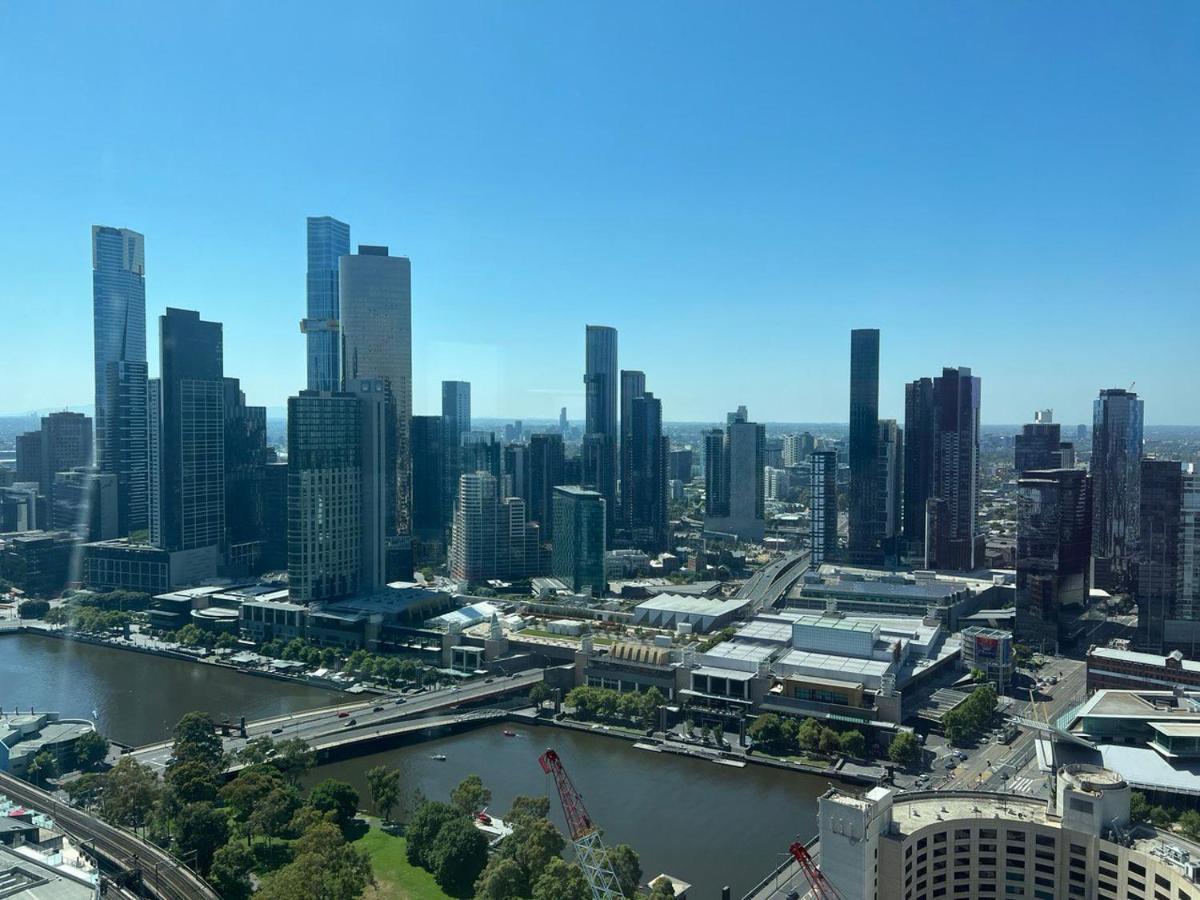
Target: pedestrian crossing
1023,785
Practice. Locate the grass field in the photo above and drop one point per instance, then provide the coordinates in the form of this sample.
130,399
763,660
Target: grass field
395,878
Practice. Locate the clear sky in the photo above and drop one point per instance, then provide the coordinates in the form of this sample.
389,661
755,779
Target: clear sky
1013,186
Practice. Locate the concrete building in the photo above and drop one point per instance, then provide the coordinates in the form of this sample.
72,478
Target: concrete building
990,651
1113,668
733,477
700,615
920,845
579,538
85,503
24,736
265,620
37,562
492,538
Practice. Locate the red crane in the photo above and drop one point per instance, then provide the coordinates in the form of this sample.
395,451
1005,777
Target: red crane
590,851
821,889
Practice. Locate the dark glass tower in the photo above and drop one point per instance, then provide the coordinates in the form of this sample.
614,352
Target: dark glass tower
1116,455
865,507
633,385
545,473
429,456
456,421
1158,575
245,479
956,542
328,241
601,435
644,480
1037,447
823,505
918,460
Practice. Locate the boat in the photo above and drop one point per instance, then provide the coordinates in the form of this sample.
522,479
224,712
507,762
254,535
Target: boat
440,757
508,733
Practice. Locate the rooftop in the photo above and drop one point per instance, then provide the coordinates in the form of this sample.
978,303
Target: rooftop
1145,705
918,809
842,623
834,665
1146,659
679,603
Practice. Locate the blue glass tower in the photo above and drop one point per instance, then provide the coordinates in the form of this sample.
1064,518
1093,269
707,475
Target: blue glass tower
328,240
119,337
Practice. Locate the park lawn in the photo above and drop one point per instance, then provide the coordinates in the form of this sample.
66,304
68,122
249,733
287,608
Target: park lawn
395,878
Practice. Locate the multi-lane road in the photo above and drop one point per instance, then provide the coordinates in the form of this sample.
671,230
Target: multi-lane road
162,875
363,717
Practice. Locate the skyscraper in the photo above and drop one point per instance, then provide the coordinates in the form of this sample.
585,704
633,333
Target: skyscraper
865,508
1167,559
823,505
191,433
328,241
545,473
579,539
955,542
491,537
733,477
645,451
376,327
246,459
375,465
601,427
456,421
63,443
633,385
1053,547
1116,455
119,340
680,467
919,432
429,461
890,477
1038,444
324,472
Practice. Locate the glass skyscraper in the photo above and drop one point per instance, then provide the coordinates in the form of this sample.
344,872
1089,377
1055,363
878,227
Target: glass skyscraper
119,341
865,508
328,241
1116,457
601,426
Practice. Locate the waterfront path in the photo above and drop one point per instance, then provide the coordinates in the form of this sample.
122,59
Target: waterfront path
163,876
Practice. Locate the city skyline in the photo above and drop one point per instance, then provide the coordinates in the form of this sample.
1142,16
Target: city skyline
980,184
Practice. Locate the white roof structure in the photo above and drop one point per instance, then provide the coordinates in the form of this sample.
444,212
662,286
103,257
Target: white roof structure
702,613
467,616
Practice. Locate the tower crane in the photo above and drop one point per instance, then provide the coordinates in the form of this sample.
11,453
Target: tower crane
590,851
820,887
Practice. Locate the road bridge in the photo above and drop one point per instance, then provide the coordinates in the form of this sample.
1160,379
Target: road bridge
162,876
771,583
321,728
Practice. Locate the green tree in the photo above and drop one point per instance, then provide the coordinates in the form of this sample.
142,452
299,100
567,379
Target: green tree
336,797
384,784
33,609
191,781
458,854
532,845
1189,824
86,790
561,881
1139,807
904,749
808,735
470,796
200,830
651,699
501,879
329,657
423,828
661,889
766,729
527,809
230,872
244,793
627,867
853,743
130,793
195,738
325,867
294,759
273,813
41,768
829,742
539,695
90,749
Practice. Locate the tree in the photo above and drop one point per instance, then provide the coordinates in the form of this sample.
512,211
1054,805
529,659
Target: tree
853,743
904,749
41,768
527,809
230,872
33,609
325,867
86,790
200,830
294,759
459,853
767,730
273,813
384,784
1189,824
808,735
130,793
423,828
251,786
627,867
539,695
191,781
328,657
661,889
90,749
829,742
501,879
562,881
336,797
470,796
532,845
196,738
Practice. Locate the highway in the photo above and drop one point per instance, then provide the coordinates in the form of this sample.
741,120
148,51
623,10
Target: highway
776,578
162,875
367,715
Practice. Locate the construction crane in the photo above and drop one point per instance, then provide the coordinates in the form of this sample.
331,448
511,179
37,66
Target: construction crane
590,851
820,888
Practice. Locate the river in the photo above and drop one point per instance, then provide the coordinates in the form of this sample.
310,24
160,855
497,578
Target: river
137,697
708,824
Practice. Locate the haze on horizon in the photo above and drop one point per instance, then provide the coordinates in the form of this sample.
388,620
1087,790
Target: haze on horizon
1006,187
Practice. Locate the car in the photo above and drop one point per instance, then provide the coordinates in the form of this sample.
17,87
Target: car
958,754
951,762
792,895
276,731
343,714
351,722
400,700
454,690
488,680
378,709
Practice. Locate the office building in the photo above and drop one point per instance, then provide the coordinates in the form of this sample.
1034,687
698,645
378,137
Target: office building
601,435
22,507
644,477
189,434
1167,560
1053,549
633,385
429,464
680,468
375,294
865,506
325,491
889,489
1116,457
328,242
919,434
64,442
514,471
733,478
375,465
952,537
579,539
85,503
119,332
546,472
456,422
29,461
823,508
797,448
275,517
492,538
246,458
1039,445
480,452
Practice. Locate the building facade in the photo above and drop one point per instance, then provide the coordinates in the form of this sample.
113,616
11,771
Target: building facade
546,464
865,507
644,477
1115,467
601,427
823,505
1166,564
579,538
952,538
492,537
1038,446
328,242
733,477
919,432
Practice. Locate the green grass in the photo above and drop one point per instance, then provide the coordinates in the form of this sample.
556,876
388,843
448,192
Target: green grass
538,632
395,879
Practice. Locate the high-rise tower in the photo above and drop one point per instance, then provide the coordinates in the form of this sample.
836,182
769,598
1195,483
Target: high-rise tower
601,435
866,509
1116,458
328,241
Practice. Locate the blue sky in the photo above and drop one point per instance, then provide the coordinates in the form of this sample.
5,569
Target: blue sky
1009,186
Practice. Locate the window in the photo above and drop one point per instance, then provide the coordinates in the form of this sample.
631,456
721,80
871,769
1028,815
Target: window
1016,836
987,834
940,837
1045,840
1137,869
1108,858
962,834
